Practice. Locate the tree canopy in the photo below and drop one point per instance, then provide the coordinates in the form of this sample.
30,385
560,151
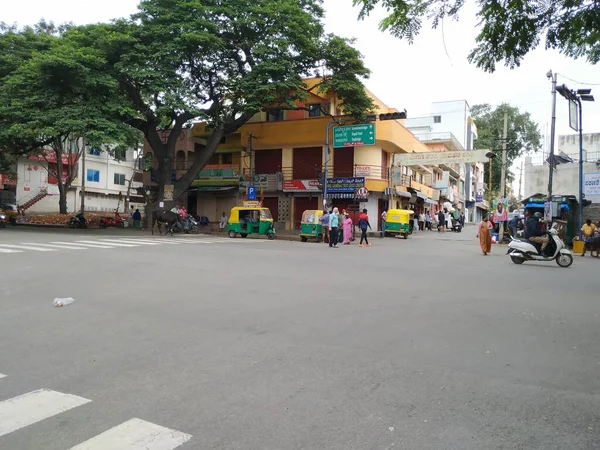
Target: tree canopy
508,29
523,136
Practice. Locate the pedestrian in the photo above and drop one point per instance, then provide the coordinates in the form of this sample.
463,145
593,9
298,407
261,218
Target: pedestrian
513,224
441,221
223,221
363,222
428,221
347,226
587,230
340,235
448,218
421,221
325,226
415,222
485,236
383,222
137,219
462,220
334,222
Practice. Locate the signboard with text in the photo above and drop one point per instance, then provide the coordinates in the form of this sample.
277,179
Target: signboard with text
458,157
345,184
591,183
354,135
301,186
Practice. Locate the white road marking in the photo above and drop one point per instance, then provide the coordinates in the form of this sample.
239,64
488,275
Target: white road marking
6,250
28,247
136,241
169,241
2,375
19,412
82,244
115,244
61,246
136,434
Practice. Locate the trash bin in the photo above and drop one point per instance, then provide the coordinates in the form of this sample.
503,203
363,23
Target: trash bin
578,247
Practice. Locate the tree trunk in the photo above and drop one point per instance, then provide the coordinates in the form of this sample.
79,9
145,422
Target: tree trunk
62,199
62,194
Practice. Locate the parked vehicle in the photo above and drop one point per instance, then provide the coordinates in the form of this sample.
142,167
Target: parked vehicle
523,250
456,226
11,211
78,221
245,221
190,225
310,226
116,221
3,220
399,222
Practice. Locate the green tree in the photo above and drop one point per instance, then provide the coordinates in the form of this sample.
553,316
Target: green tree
509,29
220,62
523,137
54,100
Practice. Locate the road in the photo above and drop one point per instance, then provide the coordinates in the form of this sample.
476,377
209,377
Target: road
213,343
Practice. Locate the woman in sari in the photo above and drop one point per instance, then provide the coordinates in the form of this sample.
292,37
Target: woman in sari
485,236
347,225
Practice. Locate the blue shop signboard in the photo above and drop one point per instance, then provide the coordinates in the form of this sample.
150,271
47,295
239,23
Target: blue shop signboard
345,184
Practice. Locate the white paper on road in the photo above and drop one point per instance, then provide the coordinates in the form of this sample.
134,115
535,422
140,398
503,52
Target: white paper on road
136,434
27,409
27,247
5,250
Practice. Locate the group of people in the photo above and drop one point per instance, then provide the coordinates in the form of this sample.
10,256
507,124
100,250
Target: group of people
337,227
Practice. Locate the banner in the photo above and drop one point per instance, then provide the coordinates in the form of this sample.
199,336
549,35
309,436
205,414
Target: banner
500,206
458,157
591,183
345,184
301,186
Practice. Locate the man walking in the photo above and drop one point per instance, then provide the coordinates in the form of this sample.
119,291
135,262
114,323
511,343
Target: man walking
513,224
441,221
363,222
428,221
334,222
325,226
383,223
421,221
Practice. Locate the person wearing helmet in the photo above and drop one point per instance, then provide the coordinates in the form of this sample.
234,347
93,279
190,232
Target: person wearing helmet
534,231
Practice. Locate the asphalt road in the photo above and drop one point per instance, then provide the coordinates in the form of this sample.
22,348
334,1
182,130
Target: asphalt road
251,344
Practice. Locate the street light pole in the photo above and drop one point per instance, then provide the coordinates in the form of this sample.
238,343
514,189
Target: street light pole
553,78
580,170
329,126
503,172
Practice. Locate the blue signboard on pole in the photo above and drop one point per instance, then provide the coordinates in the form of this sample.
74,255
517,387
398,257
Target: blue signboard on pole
251,192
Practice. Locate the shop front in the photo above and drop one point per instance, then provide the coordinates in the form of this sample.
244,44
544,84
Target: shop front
214,191
305,194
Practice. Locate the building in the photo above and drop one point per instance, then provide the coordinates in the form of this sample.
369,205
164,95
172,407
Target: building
283,154
565,180
107,179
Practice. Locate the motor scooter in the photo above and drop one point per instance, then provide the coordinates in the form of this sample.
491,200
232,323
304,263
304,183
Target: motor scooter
521,250
78,221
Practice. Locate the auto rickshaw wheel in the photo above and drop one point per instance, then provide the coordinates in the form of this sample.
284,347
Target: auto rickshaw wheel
303,238
13,221
271,236
244,235
405,235
232,234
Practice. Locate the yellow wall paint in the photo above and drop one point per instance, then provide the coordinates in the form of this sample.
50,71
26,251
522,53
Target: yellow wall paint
367,156
376,185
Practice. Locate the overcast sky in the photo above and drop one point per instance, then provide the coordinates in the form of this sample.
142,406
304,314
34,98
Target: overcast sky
407,76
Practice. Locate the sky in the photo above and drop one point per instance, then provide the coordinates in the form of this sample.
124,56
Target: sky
433,68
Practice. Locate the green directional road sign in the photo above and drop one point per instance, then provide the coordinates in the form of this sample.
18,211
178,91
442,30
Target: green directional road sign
354,135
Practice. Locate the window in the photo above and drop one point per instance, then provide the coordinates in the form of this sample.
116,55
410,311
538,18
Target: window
95,151
119,179
214,159
314,110
437,119
93,175
275,115
226,158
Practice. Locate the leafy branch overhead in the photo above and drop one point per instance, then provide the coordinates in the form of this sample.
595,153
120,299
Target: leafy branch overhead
508,30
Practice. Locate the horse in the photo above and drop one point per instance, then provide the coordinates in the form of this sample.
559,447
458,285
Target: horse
164,216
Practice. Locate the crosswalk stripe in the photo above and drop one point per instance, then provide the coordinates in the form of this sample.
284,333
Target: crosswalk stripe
2,375
6,250
115,244
167,241
19,412
136,241
28,247
61,246
136,434
81,244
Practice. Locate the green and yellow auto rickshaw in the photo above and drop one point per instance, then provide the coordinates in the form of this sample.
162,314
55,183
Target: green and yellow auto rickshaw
245,221
399,222
311,227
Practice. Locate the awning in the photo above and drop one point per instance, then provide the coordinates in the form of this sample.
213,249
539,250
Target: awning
431,202
402,194
422,196
213,188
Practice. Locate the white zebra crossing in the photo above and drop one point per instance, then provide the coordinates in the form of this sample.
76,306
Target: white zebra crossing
24,410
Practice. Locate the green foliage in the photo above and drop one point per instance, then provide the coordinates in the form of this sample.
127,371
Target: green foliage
523,136
509,28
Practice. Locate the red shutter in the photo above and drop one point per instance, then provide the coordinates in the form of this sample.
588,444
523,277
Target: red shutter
307,163
267,161
343,162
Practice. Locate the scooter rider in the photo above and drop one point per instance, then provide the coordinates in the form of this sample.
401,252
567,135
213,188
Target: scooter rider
534,231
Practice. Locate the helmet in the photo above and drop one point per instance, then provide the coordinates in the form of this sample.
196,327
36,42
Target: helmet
538,215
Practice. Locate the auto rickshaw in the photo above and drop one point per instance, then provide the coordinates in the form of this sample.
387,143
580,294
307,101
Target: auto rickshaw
399,222
310,226
11,212
245,221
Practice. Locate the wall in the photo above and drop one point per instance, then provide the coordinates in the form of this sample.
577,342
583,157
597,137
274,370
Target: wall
569,144
564,182
454,115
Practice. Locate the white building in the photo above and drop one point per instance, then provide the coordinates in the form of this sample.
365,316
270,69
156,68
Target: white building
106,181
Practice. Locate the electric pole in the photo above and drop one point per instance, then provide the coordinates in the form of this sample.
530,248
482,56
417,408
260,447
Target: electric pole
552,77
83,176
503,173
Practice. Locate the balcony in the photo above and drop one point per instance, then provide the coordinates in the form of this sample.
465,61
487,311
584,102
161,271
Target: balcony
443,138
312,172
